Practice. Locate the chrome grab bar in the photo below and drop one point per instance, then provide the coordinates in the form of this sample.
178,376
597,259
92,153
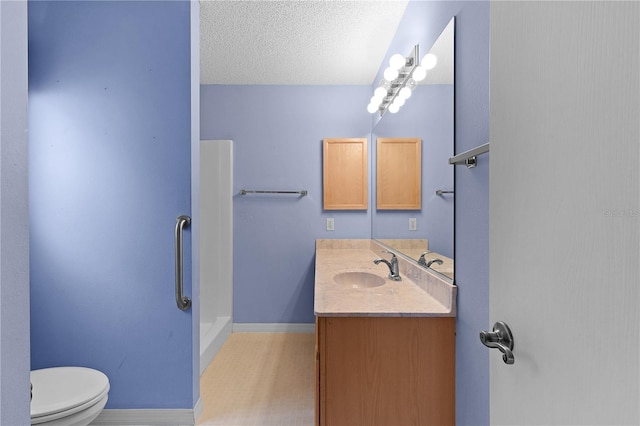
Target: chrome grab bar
182,301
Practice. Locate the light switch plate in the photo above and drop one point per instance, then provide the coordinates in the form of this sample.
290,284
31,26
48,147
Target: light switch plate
412,224
330,226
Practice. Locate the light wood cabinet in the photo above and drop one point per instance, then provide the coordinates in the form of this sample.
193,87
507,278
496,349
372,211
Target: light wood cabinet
399,174
345,174
385,371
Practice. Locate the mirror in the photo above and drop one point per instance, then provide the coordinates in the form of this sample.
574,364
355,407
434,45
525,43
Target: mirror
428,114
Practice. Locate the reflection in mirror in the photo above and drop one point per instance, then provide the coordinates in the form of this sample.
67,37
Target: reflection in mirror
426,235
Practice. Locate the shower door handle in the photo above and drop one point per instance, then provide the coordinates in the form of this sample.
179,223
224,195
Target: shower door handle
182,301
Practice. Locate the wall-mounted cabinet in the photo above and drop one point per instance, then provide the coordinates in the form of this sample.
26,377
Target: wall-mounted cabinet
398,174
345,174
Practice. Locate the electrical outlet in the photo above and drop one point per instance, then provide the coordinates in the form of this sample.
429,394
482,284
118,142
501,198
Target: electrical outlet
412,224
330,226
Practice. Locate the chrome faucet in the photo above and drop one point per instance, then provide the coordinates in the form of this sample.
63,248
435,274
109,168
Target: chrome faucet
422,261
394,272
431,262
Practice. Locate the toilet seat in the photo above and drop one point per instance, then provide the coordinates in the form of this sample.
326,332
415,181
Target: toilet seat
62,391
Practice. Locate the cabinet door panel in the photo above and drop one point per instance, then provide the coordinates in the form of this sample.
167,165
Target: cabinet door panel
387,371
398,174
345,174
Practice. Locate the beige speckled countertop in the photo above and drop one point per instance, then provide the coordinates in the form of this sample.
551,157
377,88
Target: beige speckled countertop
420,293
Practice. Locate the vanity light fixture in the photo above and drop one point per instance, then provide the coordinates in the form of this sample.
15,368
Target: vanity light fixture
400,78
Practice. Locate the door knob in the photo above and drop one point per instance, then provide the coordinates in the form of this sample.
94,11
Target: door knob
500,338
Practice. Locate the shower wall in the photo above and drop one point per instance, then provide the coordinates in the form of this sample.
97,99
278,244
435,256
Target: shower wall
216,246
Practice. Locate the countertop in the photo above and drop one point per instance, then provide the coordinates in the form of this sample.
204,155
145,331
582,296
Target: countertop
418,294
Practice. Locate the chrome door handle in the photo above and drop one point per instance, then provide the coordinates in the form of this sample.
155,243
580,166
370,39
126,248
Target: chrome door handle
182,301
500,338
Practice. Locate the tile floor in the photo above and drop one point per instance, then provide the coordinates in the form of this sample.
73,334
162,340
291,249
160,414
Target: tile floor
263,379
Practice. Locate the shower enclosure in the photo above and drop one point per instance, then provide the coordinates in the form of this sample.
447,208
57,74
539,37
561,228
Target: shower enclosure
216,246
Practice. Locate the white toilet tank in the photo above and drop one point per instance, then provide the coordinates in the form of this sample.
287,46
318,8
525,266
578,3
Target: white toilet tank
67,395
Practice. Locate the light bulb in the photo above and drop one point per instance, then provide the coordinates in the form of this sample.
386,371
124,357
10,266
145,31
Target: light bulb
372,108
411,83
397,61
375,100
380,92
390,74
404,93
393,108
419,73
398,101
429,61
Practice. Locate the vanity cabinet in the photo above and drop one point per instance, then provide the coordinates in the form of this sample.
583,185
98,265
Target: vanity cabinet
385,370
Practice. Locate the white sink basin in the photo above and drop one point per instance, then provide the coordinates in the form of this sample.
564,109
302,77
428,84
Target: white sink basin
358,279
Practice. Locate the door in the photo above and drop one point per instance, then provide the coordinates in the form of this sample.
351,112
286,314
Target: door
565,213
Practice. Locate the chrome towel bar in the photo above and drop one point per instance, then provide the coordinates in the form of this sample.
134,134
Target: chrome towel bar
252,191
468,158
182,301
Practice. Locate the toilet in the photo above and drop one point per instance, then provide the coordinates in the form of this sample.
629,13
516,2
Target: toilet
67,396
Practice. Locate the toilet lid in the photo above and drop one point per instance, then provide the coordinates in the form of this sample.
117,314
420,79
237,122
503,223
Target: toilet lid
65,388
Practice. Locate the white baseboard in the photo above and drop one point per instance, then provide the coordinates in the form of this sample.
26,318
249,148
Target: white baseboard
273,328
160,417
197,410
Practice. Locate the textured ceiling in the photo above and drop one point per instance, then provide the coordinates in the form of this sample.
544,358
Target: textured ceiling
295,42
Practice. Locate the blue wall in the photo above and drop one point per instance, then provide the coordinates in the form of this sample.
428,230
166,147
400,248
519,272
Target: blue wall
423,20
14,214
472,214
277,133
110,135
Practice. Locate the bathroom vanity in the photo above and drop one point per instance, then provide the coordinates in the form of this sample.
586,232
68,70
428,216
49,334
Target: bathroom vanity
385,350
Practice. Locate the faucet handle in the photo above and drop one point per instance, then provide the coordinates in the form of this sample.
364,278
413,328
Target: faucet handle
393,255
432,261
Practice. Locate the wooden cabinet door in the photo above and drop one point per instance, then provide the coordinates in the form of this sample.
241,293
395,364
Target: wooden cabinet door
317,417
386,371
399,174
345,174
